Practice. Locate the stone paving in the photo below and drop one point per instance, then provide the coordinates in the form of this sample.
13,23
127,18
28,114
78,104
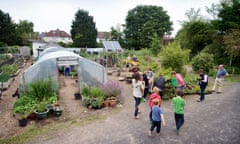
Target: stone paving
214,121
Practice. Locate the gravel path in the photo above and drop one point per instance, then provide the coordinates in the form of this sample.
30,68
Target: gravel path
214,121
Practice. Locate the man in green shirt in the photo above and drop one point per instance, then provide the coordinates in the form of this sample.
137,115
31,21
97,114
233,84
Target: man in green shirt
178,106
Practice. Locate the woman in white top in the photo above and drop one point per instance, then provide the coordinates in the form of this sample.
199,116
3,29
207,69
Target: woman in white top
138,88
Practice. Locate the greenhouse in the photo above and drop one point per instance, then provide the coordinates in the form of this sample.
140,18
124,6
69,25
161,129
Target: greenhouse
53,59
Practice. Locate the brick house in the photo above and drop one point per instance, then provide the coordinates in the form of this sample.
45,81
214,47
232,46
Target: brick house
57,36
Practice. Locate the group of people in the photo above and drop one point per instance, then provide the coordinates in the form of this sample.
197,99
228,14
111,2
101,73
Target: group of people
143,83
156,113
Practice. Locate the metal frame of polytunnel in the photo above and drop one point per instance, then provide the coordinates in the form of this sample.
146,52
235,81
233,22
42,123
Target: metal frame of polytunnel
89,72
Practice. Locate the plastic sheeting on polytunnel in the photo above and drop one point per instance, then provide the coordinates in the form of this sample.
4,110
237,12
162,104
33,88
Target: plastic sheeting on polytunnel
89,72
51,49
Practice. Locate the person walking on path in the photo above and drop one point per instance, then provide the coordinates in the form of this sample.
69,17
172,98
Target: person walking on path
152,97
160,84
202,82
138,88
221,73
157,118
146,91
150,76
178,106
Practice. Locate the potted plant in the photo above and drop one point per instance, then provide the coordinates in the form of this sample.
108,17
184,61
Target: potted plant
21,112
51,102
22,108
57,110
41,110
113,101
77,96
111,89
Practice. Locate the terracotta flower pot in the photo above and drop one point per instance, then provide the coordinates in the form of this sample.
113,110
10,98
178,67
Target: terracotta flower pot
113,102
106,103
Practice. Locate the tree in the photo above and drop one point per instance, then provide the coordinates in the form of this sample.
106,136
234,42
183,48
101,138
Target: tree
84,32
156,45
142,22
117,35
25,31
228,16
232,43
8,34
196,33
174,57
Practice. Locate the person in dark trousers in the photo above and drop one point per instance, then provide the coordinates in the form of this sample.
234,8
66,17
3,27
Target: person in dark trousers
202,82
160,84
145,93
138,88
178,106
157,118
152,97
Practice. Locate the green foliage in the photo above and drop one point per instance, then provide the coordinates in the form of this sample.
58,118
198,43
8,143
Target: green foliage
141,24
212,72
117,35
174,57
85,91
95,92
232,40
41,90
4,77
84,32
85,100
41,106
52,99
92,96
233,69
24,106
202,61
166,72
8,35
25,31
228,16
195,36
156,45
9,69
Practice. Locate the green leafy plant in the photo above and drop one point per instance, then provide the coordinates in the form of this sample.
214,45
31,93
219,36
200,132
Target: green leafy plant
41,90
9,69
41,106
24,106
95,92
85,91
85,101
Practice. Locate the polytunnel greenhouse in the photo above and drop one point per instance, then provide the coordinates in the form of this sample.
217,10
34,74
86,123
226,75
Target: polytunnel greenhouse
51,59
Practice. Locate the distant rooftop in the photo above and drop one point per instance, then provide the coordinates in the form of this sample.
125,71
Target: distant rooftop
57,33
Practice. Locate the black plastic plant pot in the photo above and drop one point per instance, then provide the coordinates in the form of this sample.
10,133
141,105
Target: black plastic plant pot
22,122
77,96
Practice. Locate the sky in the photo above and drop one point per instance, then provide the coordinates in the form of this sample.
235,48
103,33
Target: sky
58,14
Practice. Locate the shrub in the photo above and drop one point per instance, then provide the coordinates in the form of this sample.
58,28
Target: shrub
174,57
202,61
111,88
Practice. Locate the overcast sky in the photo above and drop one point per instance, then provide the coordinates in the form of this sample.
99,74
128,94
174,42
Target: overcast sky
52,14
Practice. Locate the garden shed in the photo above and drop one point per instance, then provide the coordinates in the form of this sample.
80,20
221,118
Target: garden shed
88,72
